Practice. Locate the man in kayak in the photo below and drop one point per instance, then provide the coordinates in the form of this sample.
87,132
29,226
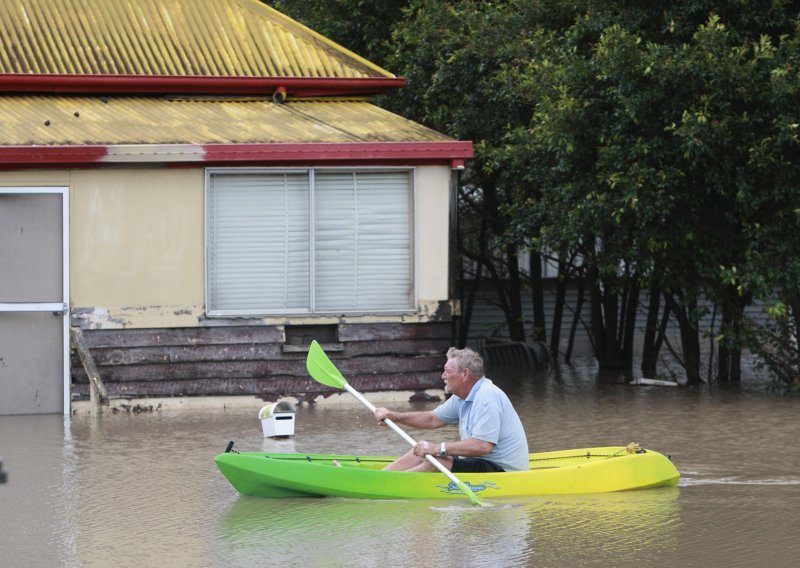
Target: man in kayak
492,436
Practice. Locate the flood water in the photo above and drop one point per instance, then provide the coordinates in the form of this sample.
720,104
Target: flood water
142,489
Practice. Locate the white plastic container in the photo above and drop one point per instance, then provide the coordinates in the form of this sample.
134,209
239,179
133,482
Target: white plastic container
277,419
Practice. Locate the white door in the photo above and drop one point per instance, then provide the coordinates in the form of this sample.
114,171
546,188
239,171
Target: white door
34,297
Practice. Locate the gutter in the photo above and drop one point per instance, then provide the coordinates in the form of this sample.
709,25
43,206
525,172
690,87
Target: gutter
29,83
453,153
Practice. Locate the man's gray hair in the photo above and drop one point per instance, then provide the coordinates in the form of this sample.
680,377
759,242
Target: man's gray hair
467,359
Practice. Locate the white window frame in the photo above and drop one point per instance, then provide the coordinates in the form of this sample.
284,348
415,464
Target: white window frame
311,172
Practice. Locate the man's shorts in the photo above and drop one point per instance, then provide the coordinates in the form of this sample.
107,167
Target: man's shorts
474,465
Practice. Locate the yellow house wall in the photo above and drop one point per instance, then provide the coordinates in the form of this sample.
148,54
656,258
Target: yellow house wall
137,245
433,234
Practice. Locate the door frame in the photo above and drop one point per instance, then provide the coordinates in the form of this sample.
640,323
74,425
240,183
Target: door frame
61,307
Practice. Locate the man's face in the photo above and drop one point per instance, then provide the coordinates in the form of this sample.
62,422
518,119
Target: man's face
451,377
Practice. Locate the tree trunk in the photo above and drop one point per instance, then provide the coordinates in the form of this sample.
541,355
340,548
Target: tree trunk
508,282
649,351
515,318
598,325
539,332
576,317
686,314
630,307
558,309
469,302
606,325
729,368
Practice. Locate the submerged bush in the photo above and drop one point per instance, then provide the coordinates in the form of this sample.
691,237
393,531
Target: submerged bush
775,344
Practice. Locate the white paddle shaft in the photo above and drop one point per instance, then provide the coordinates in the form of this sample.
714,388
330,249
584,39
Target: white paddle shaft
433,461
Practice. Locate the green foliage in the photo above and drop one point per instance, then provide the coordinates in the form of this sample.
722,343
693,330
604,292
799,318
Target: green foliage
659,137
656,143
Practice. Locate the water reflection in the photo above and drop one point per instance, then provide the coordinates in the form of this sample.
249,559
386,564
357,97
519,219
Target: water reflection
565,531
141,490
631,526
341,532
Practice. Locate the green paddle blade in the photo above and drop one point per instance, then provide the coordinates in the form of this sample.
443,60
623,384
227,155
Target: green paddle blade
322,369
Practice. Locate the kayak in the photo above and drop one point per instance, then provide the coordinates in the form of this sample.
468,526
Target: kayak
587,470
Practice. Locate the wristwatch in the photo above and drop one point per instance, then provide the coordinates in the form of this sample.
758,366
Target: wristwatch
442,450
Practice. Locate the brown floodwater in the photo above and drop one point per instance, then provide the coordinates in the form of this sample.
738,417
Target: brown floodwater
142,489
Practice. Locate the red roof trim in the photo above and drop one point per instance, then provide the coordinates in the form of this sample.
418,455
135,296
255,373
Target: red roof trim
452,153
160,85
47,155
335,152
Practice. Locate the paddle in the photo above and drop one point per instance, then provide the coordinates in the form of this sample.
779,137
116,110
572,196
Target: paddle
324,371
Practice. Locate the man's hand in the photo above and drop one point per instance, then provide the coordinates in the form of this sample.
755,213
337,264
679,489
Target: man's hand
423,448
382,414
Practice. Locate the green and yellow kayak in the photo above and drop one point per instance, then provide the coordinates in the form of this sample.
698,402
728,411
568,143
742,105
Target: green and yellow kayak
587,470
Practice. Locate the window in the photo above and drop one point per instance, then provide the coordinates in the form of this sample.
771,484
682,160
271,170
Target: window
309,241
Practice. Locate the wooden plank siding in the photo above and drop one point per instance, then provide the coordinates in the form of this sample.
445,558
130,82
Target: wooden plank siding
262,361
488,319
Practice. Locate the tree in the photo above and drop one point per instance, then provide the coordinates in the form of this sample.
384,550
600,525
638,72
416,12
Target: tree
648,145
645,157
452,55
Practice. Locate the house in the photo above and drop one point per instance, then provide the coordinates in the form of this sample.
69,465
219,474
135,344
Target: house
198,189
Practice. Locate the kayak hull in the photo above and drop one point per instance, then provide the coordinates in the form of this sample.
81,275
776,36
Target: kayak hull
586,470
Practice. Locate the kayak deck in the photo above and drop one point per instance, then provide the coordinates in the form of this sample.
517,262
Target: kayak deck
587,470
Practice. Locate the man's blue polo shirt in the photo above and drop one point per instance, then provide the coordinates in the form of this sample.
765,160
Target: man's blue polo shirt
487,414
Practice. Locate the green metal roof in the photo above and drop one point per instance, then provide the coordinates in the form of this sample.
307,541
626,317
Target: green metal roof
178,38
56,120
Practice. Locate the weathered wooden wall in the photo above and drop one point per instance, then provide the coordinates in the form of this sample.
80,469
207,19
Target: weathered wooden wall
264,361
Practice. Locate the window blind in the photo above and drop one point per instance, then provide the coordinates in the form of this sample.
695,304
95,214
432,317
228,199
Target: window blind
362,241
261,258
259,243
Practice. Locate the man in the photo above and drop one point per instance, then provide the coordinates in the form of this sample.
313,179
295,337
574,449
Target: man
492,436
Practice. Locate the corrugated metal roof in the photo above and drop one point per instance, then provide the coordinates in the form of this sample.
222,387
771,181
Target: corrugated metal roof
72,121
183,38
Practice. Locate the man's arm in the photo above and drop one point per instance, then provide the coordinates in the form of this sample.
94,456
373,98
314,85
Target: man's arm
469,448
426,420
